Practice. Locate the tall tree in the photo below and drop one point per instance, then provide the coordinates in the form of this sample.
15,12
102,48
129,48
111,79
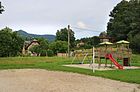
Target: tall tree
124,20
59,46
117,25
62,35
124,23
10,43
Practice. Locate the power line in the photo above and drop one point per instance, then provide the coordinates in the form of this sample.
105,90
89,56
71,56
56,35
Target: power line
85,29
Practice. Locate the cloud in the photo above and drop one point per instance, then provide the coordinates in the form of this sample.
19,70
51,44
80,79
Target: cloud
48,16
81,24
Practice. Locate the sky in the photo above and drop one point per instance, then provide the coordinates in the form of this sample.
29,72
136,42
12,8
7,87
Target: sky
48,16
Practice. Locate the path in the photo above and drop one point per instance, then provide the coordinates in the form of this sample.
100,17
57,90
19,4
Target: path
39,80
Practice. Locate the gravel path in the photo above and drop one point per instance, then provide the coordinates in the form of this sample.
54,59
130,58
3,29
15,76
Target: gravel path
39,80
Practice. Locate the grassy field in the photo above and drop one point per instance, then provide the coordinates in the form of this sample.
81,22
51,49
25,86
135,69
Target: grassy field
135,60
55,64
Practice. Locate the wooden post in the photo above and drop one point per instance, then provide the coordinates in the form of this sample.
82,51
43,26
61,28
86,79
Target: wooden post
68,40
93,61
105,56
99,58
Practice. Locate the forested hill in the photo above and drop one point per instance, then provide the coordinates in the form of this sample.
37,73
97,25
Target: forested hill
25,34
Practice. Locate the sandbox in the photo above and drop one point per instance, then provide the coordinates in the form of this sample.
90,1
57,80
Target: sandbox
102,67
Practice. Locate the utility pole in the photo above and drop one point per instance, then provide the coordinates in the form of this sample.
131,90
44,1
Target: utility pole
68,40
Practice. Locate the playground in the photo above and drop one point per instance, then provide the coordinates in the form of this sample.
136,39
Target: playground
106,56
48,74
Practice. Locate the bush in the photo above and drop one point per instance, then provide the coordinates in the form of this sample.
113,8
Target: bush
11,43
59,46
50,53
134,43
43,53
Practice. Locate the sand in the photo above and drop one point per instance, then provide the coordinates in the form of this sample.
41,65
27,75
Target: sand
39,80
102,67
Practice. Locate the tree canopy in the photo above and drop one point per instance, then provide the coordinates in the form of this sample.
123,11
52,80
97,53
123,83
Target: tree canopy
124,23
62,35
88,42
59,46
10,43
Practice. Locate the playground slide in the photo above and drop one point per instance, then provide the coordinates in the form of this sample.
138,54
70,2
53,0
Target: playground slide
115,62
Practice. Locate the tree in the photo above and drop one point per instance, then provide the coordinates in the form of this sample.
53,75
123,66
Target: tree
95,41
117,26
135,45
10,43
59,46
124,21
1,8
62,35
89,42
103,34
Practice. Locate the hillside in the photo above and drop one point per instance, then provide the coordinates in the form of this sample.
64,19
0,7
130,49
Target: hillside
25,34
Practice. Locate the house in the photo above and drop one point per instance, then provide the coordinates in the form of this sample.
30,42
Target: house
28,45
80,44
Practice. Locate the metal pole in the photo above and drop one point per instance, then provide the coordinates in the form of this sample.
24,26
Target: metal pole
68,40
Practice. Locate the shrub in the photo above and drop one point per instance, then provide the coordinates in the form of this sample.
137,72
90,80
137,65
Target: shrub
50,53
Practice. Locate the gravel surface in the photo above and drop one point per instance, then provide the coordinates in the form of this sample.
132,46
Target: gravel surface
39,80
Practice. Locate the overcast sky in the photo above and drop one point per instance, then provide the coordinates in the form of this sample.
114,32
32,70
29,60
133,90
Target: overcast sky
48,16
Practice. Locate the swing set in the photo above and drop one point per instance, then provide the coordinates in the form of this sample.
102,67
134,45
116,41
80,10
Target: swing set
119,54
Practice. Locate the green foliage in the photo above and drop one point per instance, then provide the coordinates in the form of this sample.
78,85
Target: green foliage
50,53
62,35
43,53
117,26
135,44
35,49
135,61
43,43
59,46
10,43
88,42
85,46
124,22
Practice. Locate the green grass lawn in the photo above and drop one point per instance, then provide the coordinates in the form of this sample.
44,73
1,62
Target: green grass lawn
135,60
55,64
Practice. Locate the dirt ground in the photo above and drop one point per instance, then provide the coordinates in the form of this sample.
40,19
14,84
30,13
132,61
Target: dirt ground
39,80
